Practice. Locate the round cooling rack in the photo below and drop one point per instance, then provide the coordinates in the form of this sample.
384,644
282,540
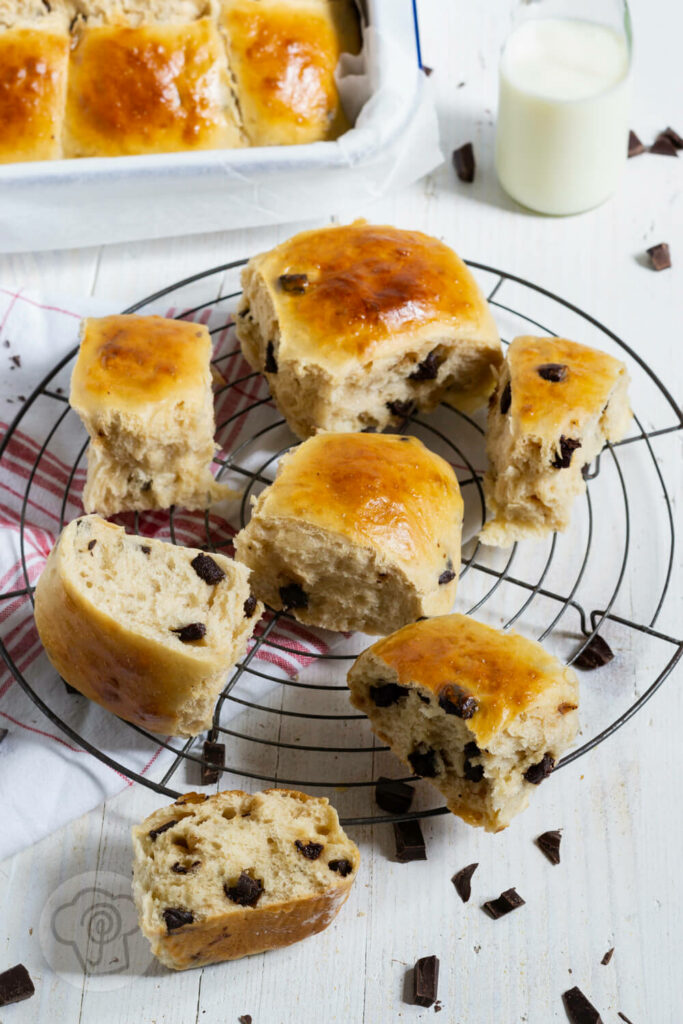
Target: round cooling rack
284,714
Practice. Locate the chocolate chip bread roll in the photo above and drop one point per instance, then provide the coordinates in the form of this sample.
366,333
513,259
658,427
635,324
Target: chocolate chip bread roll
147,629
222,877
358,532
556,404
355,327
142,386
482,714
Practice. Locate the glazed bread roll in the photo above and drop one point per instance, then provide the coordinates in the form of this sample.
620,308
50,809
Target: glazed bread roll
34,57
358,532
482,714
355,327
148,630
142,386
148,77
556,405
222,877
283,56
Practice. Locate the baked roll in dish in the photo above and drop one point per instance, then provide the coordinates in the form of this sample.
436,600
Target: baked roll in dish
482,714
358,532
142,386
556,405
355,327
34,58
217,878
148,78
283,57
147,629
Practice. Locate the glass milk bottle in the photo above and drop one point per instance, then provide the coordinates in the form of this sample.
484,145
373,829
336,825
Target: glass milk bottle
562,132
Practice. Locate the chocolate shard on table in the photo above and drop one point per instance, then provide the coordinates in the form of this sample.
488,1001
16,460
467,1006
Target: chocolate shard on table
624,1017
549,845
393,795
578,1008
214,758
663,146
635,146
507,902
673,137
462,880
660,256
410,844
607,957
245,1018
15,985
464,162
595,654
426,981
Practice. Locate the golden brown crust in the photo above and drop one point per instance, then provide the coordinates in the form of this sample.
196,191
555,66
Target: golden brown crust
148,89
283,57
542,406
504,672
33,74
366,284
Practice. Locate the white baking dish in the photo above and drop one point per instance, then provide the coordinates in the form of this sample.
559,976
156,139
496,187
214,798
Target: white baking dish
66,203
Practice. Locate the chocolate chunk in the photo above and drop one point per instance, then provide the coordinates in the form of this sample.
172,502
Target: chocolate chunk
245,1018
464,163
663,146
401,409
462,880
596,654
660,256
538,772
180,869
426,981
471,749
505,399
293,596
673,137
91,544
147,486
145,548
607,957
549,845
624,1017
393,795
472,772
270,365
15,985
427,71
192,631
410,844
507,901
635,146
578,1009
16,360
568,446
387,694
295,284
447,576
311,851
175,917
553,372
214,754
428,369
162,828
343,867
423,761
207,569
249,606
246,892
456,701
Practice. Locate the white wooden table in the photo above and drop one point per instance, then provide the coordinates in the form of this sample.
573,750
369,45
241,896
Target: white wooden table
619,881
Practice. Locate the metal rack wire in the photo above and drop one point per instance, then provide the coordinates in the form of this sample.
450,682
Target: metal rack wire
256,437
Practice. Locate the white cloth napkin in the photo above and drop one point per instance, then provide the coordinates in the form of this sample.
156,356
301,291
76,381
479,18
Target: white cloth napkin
46,777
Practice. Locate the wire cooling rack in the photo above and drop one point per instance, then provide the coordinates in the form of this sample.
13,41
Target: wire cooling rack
300,731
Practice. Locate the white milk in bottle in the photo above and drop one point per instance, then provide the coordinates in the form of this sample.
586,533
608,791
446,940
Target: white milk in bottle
562,131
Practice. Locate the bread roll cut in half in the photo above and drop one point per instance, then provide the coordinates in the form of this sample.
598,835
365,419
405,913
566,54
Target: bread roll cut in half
147,629
358,532
283,57
556,405
483,715
217,878
142,386
356,327
34,58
